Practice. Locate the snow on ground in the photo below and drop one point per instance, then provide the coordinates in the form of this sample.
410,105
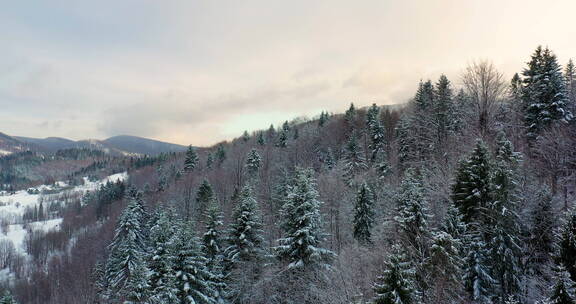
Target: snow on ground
4,152
12,206
17,232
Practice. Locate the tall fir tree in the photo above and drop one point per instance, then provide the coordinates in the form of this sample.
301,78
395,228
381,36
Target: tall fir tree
193,280
191,160
444,267
245,235
220,155
396,284
363,215
444,116
477,279
204,197
245,136
567,244
261,140
354,160
376,131
544,92
253,163
301,245
213,250
570,78
160,262
563,289
471,192
127,251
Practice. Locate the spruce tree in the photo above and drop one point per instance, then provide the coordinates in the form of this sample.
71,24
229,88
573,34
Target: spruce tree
563,289
412,216
282,140
193,280
220,154
443,111
567,245
396,284
253,163
245,235
323,119
542,238
204,196
127,250
160,262
471,192
350,115
364,215
570,78
191,160
213,249
245,136
544,92
477,279
354,160
261,140
376,131
302,225
444,267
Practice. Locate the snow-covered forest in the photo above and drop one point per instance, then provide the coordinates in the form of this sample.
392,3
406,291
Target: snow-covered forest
464,194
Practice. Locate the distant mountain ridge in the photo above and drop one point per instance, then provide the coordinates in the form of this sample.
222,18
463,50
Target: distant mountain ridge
116,145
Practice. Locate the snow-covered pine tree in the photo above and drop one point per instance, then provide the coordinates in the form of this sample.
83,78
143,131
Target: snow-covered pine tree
127,250
477,280
443,111
160,262
137,289
563,290
350,115
471,192
204,196
261,140
162,178
328,159
542,238
193,281
245,234
505,229
453,224
516,88
282,140
412,216
570,78
567,244
191,160
209,161
363,215
544,92
253,163
396,284
302,225
323,119
444,268
376,131
354,160
213,248
245,136
220,154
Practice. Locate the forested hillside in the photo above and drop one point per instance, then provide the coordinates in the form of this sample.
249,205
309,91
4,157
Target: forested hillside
464,195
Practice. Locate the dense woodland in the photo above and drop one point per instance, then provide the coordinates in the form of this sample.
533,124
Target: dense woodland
463,195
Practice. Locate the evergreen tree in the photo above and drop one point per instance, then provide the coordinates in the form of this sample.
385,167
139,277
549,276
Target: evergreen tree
570,78
160,263
245,136
329,160
376,131
444,268
471,192
516,87
454,224
350,115
396,284
303,225
323,119
127,250
162,179
542,238
282,140
209,161
245,235
191,160
261,141
544,92
271,133
213,249
443,111
253,163
353,157
412,217
204,196
364,215
567,245
563,290
193,280
477,280
220,154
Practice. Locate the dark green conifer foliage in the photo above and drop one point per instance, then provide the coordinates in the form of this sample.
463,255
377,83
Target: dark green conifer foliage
191,160
396,284
363,215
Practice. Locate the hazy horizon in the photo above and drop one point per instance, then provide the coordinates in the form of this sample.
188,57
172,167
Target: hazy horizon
202,72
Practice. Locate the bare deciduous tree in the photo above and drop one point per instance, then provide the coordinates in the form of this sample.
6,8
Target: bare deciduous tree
486,87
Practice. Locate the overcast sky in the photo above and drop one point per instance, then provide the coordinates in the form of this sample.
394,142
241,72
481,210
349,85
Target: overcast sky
197,72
